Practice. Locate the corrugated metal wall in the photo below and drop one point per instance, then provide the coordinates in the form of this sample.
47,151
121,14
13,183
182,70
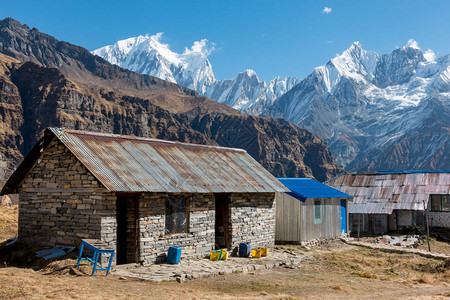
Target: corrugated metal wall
295,219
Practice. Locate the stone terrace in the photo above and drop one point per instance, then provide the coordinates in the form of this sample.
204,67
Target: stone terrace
197,268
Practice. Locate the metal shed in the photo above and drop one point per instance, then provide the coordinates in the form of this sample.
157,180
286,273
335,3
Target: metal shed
392,200
309,211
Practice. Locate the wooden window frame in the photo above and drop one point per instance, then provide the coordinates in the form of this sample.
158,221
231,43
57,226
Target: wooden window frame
187,215
442,198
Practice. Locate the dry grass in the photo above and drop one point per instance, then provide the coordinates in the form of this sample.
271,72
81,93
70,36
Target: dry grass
8,222
335,271
436,246
375,264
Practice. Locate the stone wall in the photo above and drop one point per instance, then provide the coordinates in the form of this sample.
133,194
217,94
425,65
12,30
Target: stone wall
61,202
197,242
253,219
439,219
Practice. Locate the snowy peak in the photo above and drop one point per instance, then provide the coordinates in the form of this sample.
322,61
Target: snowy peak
370,107
148,55
370,68
355,63
192,69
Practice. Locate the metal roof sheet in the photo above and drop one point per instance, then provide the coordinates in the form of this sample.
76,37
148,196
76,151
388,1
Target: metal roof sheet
382,192
136,164
304,188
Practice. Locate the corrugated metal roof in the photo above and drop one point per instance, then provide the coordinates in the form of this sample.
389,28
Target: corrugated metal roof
382,192
304,188
136,164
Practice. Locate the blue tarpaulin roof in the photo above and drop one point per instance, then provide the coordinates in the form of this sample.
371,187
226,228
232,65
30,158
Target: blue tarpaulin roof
303,188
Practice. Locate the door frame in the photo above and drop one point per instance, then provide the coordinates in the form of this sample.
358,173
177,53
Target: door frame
124,201
222,203
344,212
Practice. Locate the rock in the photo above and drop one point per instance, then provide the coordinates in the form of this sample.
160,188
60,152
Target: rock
75,271
6,200
410,242
396,241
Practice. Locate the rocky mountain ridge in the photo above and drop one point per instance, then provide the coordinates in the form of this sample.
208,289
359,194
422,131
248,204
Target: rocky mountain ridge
53,83
192,69
375,111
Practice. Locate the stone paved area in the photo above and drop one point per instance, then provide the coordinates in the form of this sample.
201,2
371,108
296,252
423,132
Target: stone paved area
197,268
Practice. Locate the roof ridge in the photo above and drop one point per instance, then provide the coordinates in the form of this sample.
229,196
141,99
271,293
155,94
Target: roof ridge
59,131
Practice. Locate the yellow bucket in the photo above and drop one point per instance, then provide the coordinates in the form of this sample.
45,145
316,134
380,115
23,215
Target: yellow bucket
224,254
256,253
264,251
215,255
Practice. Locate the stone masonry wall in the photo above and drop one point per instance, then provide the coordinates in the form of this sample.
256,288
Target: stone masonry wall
439,219
197,242
61,202
253,219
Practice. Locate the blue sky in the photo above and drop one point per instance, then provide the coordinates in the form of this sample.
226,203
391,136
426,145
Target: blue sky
287,38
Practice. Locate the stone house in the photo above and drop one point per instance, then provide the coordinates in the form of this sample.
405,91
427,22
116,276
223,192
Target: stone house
142,195
396,201
310,212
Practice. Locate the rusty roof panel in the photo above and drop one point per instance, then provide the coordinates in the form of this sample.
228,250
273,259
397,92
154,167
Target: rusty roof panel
134,164
380,193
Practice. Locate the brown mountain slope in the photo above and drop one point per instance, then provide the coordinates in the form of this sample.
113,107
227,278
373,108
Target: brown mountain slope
11,118
294,152
85,92
21,42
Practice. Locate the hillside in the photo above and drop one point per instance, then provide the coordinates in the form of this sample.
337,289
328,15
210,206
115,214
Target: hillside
86,92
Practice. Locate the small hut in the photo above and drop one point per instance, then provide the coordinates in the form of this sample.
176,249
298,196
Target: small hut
309,211
142,195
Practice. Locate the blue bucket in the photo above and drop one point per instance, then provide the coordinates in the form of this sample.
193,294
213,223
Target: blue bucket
245,249
174,255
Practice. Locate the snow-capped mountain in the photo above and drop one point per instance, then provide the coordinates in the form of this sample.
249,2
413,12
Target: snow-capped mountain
247,93
376,112
192,69
147,55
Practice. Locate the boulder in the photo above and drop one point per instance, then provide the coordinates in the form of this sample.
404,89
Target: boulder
5,200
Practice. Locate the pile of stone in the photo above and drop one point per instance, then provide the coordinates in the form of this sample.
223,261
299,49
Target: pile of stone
402,241
319,242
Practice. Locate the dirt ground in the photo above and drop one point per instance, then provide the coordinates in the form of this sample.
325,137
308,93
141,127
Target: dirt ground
336,271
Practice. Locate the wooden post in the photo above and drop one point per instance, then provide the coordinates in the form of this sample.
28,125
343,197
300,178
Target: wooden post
428,225
359,224
136,230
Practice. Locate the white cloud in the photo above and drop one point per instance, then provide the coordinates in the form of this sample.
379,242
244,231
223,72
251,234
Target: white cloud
157,37
203,46
412,44
429,55
326,10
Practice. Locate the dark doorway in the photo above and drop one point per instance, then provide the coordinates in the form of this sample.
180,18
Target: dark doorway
222,228
127,234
